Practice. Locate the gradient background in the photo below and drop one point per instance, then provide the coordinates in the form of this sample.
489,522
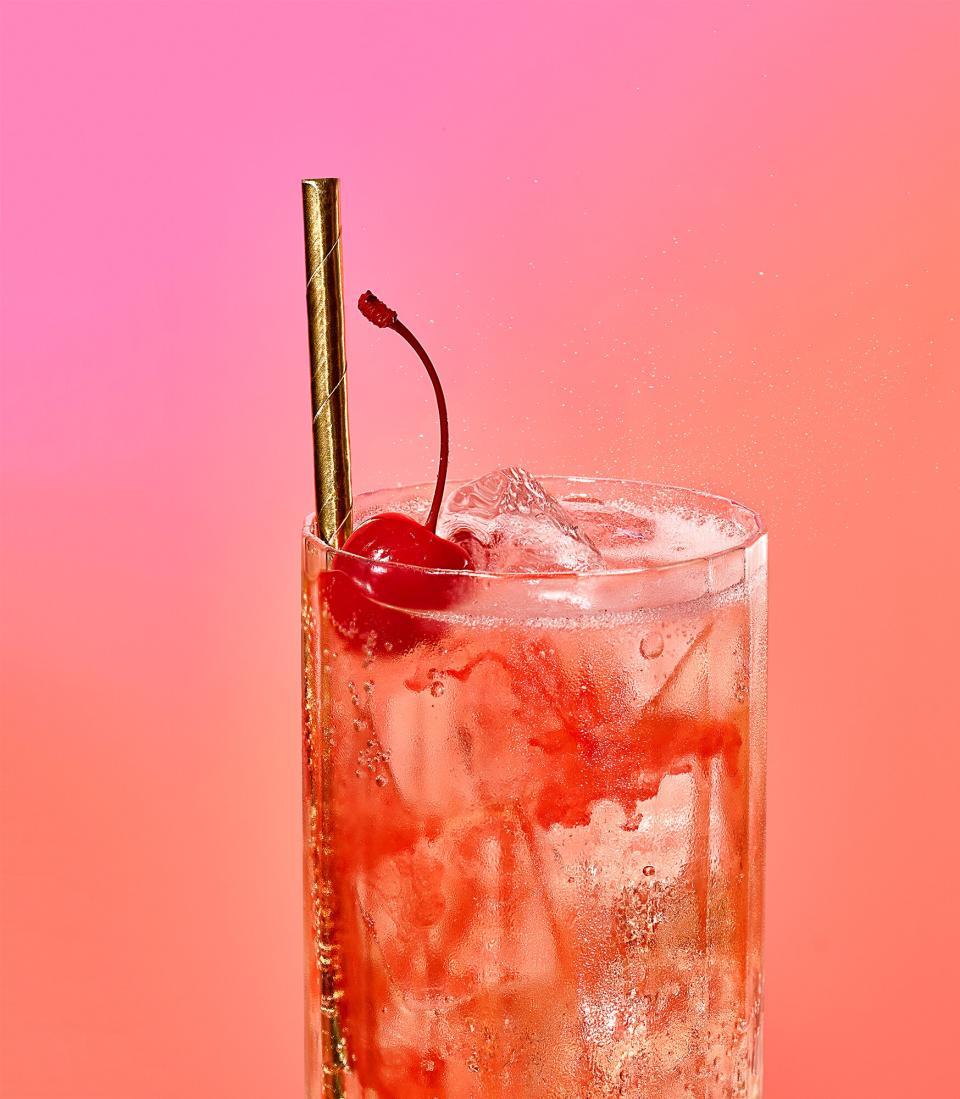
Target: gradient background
710,243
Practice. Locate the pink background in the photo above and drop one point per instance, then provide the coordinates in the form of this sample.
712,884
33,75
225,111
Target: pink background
709,243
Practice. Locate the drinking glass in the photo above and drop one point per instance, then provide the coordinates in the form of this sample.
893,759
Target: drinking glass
534,822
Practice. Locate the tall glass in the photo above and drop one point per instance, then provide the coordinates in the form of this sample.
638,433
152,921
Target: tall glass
534,839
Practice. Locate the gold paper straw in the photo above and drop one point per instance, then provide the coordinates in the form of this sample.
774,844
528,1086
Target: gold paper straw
328,362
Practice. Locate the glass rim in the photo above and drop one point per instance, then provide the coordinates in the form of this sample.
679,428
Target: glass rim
751,537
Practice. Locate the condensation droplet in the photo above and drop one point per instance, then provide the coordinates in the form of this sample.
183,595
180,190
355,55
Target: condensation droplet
381,780
652,645
649,871
436,689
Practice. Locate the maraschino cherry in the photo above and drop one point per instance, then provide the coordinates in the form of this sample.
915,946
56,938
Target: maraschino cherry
366,596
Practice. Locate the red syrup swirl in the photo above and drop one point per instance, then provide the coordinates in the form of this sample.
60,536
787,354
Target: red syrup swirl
370,599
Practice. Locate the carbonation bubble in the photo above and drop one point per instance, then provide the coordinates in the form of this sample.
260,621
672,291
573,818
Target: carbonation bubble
652,645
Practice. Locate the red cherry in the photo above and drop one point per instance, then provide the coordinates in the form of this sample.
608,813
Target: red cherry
370,601
392,538
366,596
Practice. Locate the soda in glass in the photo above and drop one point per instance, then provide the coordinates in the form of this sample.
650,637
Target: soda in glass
534,799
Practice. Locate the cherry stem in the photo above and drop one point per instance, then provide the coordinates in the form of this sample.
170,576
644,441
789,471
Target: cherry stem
384,317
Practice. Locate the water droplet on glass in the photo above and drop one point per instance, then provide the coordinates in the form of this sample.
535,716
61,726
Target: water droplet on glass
652,645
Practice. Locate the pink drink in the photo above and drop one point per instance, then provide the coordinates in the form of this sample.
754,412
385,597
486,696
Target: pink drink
534,839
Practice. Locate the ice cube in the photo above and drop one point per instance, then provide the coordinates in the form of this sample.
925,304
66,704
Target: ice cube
508,523
464,913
